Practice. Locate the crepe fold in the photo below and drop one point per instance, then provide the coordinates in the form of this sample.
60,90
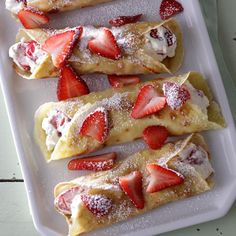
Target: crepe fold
136,58
56,5
122,127
82,220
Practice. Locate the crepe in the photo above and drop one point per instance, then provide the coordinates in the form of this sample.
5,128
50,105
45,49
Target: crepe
137,57
191,117
52,5
175,156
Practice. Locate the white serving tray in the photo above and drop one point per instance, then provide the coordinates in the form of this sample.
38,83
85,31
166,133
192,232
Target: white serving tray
23,97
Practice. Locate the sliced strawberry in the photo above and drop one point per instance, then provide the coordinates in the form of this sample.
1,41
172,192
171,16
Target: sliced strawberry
70,84
96,163
169,8
96,125
99,205
60,45
155,136
176,95
63,201
147,102
161,178
121,81
131,184
105,45
123,20
31,18
30,48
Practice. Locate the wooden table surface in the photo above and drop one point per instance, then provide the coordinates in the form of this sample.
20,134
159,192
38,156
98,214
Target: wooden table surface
15,217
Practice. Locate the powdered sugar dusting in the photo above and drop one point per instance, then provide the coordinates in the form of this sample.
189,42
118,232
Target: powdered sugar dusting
98,204
176,95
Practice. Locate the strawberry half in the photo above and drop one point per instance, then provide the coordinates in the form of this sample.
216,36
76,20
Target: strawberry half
169,8
147,102
98,204
70,84
123,20
155,136
161,178
120,81
131,184
60,45
96,125
95,163
105,45
31,18
64,200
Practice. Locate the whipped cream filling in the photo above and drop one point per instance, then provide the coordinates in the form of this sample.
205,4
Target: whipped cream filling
162,41
198,98
75,207
14,5
55,125
197,157
25,60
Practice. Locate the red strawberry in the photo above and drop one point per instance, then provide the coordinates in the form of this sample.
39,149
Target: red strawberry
96,125
105,45
64,200
147,102
176,95
131,184
70,84
31,18
170,8
161,178
30,48
123,20
98,204
60,45
96,163
120,81
155,136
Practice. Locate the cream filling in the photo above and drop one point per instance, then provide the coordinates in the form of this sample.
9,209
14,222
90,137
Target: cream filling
162,41
14,6
54,134
75,206
197,157
198,98
17,53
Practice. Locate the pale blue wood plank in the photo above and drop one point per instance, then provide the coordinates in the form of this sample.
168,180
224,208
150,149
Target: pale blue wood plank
15,218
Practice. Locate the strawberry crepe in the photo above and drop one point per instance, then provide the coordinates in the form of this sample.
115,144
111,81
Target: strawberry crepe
136,48
182,104
143,181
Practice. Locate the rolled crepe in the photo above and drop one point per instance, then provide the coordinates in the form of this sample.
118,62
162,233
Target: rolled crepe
188,157
51,6
138,56
197,114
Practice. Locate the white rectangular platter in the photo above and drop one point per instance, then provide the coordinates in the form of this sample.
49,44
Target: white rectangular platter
23,97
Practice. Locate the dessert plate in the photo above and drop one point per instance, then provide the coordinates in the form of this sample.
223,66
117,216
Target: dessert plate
23,97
